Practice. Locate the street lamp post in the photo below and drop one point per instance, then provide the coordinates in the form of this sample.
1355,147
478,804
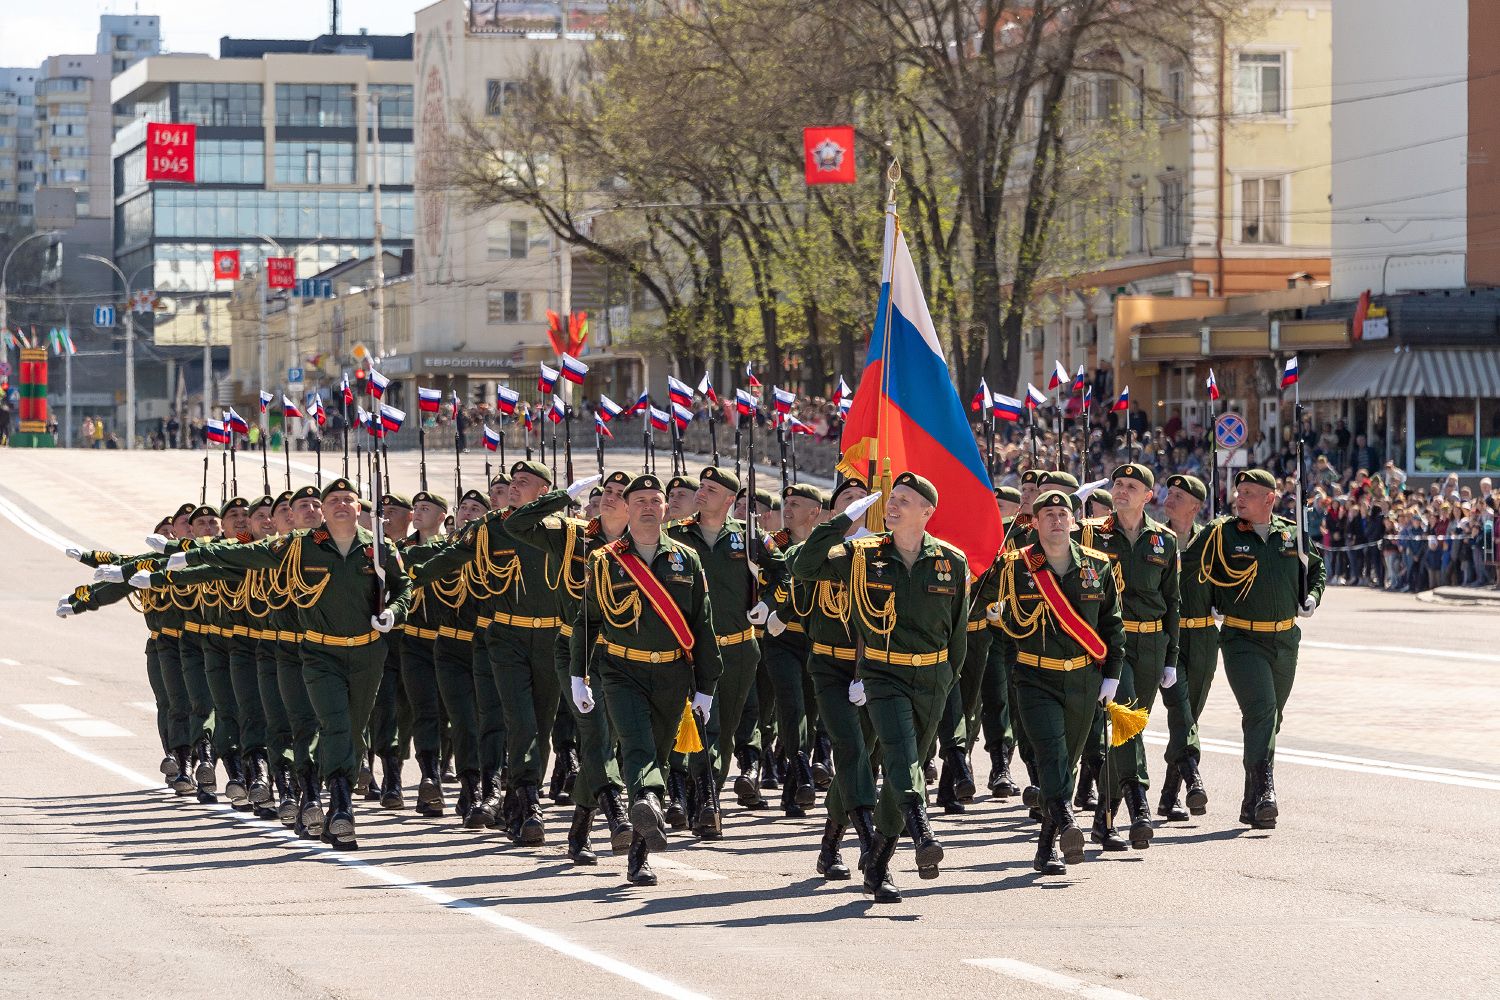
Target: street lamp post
4,300
129,343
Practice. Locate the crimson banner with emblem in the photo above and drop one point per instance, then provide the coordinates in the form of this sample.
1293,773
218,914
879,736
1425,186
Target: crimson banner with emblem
828,154
171,152
281,272
226,265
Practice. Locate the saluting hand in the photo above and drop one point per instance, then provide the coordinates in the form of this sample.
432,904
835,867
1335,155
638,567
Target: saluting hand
74,554
582,486
157,543
856,510
141,579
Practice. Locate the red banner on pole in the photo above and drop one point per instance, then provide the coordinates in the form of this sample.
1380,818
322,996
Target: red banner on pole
829,154
170,152
281,272
226,265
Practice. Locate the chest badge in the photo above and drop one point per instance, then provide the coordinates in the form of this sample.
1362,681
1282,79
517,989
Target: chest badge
677,565
735,542
1089,575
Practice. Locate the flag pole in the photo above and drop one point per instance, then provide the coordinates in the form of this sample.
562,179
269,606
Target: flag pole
224,467
1031,425
484,427
713,430
318,450
234,467
265,469
878,464
599,447
203,493
646,437
286,443
344,398
421,449
568,441
458,462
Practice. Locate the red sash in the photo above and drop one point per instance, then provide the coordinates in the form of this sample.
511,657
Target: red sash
661,602
1079,630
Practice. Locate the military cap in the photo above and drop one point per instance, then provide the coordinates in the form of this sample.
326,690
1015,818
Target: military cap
1101,497
621,478
1256,477
165,522
847,484
203,510
285,496
594,491
645,481
477,497
1008,493
675,483
186,510
1188,484
920,484
770,500
1056,477
433,499
259,502
1136,471
721,477
234,503
396,500
535,468
306,493
806,491
365,506
501,478
1052,498
339,485
1031,477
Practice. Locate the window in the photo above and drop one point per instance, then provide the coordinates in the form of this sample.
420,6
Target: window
299,162
508,307
1079,97
395,103
398,165
1258,84
1260,210
508,239
1174,92
1173,230
315,105
1106,98
221,104
499,93
1138,222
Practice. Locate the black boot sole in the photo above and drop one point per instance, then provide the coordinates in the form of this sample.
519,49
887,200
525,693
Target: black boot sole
1197,802
806,796
928,857
619,840
1140,835
835,870
644,877
286,811
168,766
260,794
533,833
341,828
746,792
1031,797
1070,842
648,824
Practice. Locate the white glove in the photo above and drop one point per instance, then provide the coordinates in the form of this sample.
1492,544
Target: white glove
992,613
1309,605
702,705
759,614
141,579
583,698
860,532
74,554
1107,689
157,543
754,568
856,510
65,609
109,574
857,693
581,487
177,561
774,624
1168,676
1218,618
383,622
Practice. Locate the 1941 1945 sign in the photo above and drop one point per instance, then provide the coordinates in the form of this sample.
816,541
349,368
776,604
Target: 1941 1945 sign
170,152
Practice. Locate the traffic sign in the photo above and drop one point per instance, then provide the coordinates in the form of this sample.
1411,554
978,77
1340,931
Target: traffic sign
294,374
1230,431
104,316
313,288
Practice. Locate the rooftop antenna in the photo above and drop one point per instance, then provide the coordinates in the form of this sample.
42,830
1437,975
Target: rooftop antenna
333,6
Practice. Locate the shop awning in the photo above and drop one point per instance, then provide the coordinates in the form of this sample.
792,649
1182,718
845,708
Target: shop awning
1379,374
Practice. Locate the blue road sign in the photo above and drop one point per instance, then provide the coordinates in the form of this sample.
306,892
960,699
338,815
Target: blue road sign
294,374
104,316
1230,431
313,288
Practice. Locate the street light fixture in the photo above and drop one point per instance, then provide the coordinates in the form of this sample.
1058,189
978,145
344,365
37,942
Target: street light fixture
4,301
129,342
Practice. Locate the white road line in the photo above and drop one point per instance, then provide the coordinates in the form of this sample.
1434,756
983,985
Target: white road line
145,706
486,914
93,728
1442,654
696,874
53,712
65,681
31,526
1052,980
9,662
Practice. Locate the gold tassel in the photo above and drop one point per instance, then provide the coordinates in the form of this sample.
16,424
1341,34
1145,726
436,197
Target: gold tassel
687,731
1125,722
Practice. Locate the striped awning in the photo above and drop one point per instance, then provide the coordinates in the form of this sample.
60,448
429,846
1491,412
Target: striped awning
1433,372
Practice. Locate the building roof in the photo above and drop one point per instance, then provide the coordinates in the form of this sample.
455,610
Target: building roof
394,47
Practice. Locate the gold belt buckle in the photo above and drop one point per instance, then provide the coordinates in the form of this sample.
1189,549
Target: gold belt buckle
655,657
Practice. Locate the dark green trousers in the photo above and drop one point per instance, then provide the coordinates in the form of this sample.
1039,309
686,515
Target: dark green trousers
419,681
217,672
278,723
996,711
487,707
1056,710
597,767
785,657
179,709
849,731
523,662
1197,660
341,685
244,676
905,706
454,664
1145,656
960,723
300,716
741,661
1260,668
195,680
645,702
391,718
158,694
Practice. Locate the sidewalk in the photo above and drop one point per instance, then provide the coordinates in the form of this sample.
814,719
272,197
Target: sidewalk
1465,596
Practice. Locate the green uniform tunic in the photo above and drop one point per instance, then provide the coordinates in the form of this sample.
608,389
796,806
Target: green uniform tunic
785,657
1197,651
429,612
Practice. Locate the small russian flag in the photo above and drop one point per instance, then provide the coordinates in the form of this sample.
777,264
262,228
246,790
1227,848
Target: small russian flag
706,388
265,400
1059,375
797,426
378,382
1005,407
1289,374
639,406
783,398
289,408
453,405
1034,396
659,418
491,438
1078,380
530,421
750,374
506,399
608,408
681,415
843,396
744,402
1088,396
215,431
315,407
348,392
1213,385
601,426
361,418
1123,403
547,379
428,400
573,370
980,395
391,418
680,391
556,412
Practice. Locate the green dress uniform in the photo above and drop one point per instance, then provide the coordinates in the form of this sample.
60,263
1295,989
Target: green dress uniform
1254,572
1003,727
1197,659
960,723
785,658
435,607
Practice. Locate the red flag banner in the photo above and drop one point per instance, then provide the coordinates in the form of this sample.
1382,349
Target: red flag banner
227,265
829,154
281,272
170,152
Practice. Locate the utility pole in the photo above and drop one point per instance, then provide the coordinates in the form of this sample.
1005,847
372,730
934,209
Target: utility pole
262,287
208,361
129,347
374,114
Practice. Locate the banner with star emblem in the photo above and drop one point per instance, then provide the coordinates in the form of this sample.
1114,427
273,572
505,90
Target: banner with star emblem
829,154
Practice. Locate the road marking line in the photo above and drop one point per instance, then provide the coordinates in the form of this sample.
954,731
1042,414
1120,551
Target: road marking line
144,706
93,728
1446,654
65,681
53,712
9,662
1052,980
696,874
31,526
320,852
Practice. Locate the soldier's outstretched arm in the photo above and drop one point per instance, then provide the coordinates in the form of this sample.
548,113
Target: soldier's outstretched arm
528,523
462,549
265,554
194,574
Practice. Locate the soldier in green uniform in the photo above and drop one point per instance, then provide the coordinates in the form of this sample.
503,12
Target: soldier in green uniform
1061,632
646,603
279,741
389,731
909,602
682,502
996,714
418,669
682,497
1197,653
1251,562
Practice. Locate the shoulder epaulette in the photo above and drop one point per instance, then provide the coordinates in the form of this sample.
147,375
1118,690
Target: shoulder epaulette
1097,554
868,542
951,548
1011,555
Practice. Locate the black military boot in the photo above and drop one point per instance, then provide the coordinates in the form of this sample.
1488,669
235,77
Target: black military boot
470,798
637,867
929,852
963,775
1265,811
945,794
830,863
1000,784
822,762
204,773
447,774
310,808
366,782
168,766
878,871
286,794
647,819
708,823
1170,806
1248,799
863,821
612,805
555,780
235,785
579,851
806,793
1197,795
746,784
1104,833
1140,815
1069,836
341,814
570,776
257,772
771,771
182,781
533,831
789,806
390,787
930,771
677,799
485,802
1088,776
1048,860
430,789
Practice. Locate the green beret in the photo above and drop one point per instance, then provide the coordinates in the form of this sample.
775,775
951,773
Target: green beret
477,497
1100,497
594,491
721,477
203,510
1056,477
1259,477
1052,498
535,468
645,481
1008,493
1188,484
1136,471
186,510
1031,477
498,479
234,503
306,493
365,506
165,522
768,499
259,502
847,484
676,483
922,486
396,500
432,498
339,485
619,478
284,497
806,491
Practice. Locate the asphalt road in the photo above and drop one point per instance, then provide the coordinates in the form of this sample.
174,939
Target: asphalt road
1383,879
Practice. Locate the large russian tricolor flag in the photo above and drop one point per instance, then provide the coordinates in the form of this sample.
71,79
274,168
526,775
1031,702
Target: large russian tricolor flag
907,410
